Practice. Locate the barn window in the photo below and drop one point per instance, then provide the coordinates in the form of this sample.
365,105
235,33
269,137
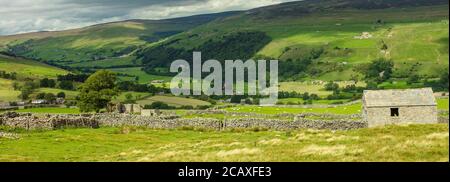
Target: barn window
395,112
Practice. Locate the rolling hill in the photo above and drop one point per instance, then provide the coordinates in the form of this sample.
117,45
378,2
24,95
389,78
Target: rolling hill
26,68
112,42
314,39
328,31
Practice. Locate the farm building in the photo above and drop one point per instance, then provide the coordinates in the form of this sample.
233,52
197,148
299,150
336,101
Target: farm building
39,101
383,107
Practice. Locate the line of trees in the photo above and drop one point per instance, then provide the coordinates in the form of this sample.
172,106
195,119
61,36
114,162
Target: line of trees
8,75
230,46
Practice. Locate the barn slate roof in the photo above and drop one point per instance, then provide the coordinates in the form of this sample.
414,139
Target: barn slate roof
393,98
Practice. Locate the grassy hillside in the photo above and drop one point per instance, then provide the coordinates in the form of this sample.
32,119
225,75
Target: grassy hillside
413,33
28,68
51,110
7,92
143,77
319,37
99,42
391,143
25,69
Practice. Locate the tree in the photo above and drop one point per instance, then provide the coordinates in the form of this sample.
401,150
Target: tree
413,78
248,101
379,70
16,85
331,86
43,82
371,85
40,95
27,89
51,83
61,95
47,83
158,105
305,96
129,98
236,99
49,97
444,80
384,46
66,85
354,78
314,97
97,91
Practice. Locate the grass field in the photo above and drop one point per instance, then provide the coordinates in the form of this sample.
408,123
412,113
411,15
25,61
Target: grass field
308,86
144,78
105,63
136,96
70,94
51,110
298,101
7,92
173,101
442,104
391,143
351,109
302,87
28,68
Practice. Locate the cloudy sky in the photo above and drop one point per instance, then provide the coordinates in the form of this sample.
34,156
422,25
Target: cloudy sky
20,16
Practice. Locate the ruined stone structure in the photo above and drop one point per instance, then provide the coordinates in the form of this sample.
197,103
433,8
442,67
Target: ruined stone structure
383,107
132,108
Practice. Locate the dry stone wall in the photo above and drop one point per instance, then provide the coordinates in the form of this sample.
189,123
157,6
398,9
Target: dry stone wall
29,121
163,122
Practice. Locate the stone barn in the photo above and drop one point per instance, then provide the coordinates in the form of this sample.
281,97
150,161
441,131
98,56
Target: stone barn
384,107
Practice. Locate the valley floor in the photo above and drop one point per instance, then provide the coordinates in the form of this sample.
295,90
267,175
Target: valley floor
391,143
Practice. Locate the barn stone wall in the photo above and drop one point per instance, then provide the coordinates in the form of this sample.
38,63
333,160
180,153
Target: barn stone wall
379,116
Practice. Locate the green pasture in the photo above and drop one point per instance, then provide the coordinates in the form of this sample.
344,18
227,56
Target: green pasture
135,96
51,110
418,143
144,78
173,101
70,94
28,68
7,92
350,109
298,101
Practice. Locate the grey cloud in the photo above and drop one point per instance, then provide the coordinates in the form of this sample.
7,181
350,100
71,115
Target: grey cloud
22,16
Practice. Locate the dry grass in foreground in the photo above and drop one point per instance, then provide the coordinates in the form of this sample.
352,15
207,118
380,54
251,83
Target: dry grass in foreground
392,143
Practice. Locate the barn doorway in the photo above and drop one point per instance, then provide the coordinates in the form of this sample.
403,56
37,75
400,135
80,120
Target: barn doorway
395,112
